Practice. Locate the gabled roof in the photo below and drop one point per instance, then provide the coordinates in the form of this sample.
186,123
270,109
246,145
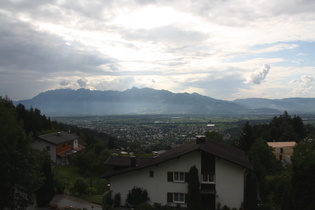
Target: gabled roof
215,148
125,161
58,137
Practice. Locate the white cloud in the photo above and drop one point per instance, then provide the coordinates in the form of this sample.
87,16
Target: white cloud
306,79
176,45
259,75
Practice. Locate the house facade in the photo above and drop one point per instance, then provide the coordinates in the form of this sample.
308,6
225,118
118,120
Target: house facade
221,169
59,145
283,150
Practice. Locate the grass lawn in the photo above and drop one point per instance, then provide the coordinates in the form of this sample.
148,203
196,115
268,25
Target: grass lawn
70,173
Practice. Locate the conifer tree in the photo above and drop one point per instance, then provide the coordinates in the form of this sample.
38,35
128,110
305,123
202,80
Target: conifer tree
46,192
193,197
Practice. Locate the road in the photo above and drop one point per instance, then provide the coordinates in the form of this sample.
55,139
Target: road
70,201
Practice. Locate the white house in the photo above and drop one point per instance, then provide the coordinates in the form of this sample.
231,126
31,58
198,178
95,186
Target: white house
222,170
59,145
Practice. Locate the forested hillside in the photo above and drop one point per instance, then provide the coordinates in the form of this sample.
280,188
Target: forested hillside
26,174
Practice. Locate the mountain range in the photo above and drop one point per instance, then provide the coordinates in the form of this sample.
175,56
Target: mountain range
68,102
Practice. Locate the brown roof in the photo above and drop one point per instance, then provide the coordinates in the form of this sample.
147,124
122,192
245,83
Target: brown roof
215,148
282,144
58,137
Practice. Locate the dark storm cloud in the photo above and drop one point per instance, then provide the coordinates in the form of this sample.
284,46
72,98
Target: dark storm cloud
23,48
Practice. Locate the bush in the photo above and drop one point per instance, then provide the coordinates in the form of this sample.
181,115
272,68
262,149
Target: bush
107,201
137,196
117,199
59,183
101,186
80,186
91,191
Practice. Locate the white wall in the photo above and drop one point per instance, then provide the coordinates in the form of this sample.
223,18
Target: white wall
229,180
158,186
75,144
229,184
42,145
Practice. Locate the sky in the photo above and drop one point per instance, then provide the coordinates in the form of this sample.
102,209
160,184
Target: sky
224,49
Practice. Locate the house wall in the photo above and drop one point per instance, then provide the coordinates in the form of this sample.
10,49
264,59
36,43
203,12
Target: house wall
75,143
229,184
157,186
42,145
65,146
229,181
286,151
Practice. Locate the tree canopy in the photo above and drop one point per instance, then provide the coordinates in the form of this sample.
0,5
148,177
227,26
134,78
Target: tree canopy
20,166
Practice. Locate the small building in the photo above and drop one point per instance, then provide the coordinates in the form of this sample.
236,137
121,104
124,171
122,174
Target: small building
222,173
59,145
283,150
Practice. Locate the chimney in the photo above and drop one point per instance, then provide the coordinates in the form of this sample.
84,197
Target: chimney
133,162
200,139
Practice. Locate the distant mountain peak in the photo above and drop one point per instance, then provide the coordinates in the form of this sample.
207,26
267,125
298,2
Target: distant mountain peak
63,102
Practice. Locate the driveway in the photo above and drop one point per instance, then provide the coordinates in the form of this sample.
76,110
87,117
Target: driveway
68,200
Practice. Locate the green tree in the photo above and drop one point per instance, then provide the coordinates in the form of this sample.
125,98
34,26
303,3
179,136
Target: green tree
46,192
264,163
250,194
20,169
303,179
137,196
193,196
214,135
247,137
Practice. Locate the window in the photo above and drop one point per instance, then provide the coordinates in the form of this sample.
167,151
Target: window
178,197
151,174
176,176
207,178
48,148
179,177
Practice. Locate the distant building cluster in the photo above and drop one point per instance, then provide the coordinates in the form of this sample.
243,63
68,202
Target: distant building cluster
147,133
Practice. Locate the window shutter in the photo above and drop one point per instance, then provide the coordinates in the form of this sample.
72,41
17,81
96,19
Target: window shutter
169,197
169,176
